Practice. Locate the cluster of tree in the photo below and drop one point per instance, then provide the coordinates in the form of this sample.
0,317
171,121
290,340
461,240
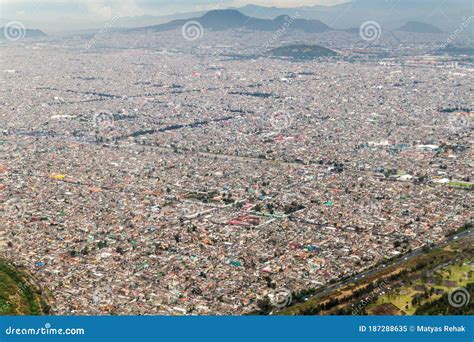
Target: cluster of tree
333,302
301,295
264,305
455,109
442,306
255,94
390,172
293,207
355,295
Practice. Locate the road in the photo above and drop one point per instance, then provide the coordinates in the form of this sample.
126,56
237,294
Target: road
400,260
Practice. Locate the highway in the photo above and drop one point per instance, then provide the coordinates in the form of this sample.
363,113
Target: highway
325,290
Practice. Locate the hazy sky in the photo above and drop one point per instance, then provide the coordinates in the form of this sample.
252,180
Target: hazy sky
103,9
69,15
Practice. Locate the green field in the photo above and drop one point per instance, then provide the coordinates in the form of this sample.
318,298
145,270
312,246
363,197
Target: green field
464,185
434,285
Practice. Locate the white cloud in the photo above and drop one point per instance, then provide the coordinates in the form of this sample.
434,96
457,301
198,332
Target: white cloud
108,9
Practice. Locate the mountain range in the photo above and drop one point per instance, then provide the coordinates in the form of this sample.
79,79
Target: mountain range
390,14
218,20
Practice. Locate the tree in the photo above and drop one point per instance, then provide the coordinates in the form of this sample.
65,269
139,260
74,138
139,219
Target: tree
264,304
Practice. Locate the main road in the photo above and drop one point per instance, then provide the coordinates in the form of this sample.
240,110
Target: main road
325,290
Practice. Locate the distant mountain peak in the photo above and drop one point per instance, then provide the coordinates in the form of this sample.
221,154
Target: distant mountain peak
224,13
419,27
220,19
15,33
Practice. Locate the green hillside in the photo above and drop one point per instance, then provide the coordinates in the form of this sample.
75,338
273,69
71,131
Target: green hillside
18,295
